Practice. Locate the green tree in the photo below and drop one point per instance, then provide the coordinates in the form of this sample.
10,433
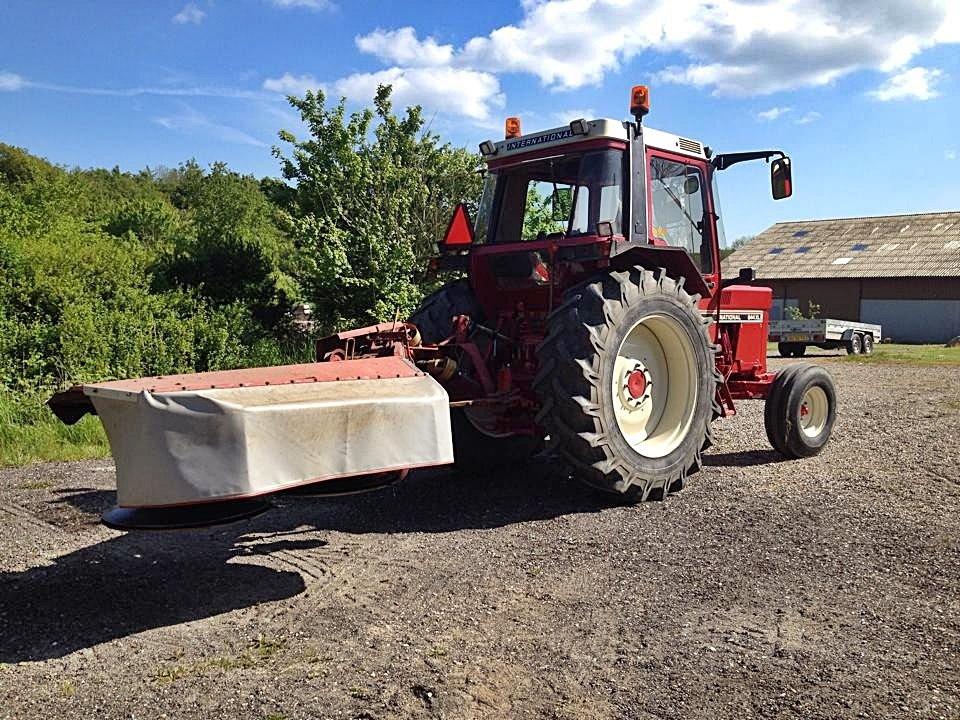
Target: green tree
371,195
229,246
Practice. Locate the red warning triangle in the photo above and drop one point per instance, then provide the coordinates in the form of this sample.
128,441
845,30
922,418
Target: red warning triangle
459,231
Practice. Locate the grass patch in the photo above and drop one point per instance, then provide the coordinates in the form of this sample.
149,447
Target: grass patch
891,353
909,355
29,432
259,652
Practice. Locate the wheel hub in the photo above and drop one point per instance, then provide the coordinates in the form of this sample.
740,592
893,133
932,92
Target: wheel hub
636,386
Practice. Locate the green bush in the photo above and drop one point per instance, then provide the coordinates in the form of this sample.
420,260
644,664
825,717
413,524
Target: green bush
106,274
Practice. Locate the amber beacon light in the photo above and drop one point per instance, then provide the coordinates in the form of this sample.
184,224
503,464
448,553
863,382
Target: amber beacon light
511,128
639,101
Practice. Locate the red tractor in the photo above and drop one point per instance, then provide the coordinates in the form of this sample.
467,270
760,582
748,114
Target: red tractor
593,323
594,317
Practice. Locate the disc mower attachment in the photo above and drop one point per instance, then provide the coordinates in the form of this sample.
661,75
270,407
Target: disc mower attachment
226,436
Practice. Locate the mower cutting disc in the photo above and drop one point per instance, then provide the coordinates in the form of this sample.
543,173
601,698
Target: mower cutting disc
187,516
347,486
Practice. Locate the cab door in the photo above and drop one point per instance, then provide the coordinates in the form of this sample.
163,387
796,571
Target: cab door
680,211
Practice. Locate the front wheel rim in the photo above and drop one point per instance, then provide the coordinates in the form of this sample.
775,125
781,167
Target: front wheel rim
654,388
814,411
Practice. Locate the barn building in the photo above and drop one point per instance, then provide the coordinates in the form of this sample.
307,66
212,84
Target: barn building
902,271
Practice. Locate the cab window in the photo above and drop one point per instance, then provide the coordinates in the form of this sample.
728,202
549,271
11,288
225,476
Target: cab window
679,212
565,195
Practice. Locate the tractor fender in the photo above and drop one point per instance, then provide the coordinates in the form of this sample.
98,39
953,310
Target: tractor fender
676,261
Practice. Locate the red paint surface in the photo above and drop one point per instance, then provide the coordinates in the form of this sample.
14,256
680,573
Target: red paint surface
636,384
362,369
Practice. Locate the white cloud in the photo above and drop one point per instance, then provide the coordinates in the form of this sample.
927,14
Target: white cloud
733,47
773,113
292,84
403,48
916,83
563,117
809,117
467,93
728,47
191,122
190,14
11,81
457,91
950,155
308,4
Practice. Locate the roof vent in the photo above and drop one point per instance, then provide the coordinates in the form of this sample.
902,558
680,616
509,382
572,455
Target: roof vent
952,245
859,247
841,261
803,249
801,233
690,146
776,251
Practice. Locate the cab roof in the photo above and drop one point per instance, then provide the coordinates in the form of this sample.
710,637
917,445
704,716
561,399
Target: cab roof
601,128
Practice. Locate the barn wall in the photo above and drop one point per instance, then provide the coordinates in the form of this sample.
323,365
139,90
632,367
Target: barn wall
910,309
838,298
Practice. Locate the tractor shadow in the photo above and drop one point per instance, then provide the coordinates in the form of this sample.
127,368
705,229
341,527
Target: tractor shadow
744,458
140,581
440,501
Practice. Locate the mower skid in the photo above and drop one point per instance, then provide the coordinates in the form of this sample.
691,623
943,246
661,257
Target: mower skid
221,439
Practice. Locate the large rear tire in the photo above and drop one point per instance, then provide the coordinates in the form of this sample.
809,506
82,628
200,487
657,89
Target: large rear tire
627,383
473,448
435,316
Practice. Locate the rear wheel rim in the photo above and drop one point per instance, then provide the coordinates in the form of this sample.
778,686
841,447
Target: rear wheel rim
657,359
814,410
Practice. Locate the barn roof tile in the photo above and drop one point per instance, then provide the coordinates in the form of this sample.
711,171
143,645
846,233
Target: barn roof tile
923,245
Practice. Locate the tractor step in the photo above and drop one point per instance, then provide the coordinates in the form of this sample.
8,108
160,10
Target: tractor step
210,437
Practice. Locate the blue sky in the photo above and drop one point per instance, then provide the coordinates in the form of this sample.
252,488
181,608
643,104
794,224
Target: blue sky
862,93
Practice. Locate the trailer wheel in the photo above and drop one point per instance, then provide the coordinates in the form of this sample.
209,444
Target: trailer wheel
628,383
867,344
800,410
854,344
434,318
792,349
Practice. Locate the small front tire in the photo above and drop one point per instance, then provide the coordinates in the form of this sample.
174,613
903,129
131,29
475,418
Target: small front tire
800,410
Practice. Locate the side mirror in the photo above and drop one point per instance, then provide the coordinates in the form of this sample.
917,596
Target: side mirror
746,275
605,228
560,204
691,186
781,178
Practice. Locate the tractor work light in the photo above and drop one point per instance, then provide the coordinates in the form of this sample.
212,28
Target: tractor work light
488,148
511,128
639,101
578,127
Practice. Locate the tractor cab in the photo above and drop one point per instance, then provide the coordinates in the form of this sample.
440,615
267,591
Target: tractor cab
562,204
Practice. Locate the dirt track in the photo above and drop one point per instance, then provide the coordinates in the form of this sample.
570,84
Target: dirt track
828,588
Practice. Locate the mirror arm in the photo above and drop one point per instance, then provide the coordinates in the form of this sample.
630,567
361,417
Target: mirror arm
725,160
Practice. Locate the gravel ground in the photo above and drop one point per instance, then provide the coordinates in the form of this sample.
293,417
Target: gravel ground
820,588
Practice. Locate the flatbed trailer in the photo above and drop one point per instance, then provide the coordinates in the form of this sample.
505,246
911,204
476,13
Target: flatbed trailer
794,336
